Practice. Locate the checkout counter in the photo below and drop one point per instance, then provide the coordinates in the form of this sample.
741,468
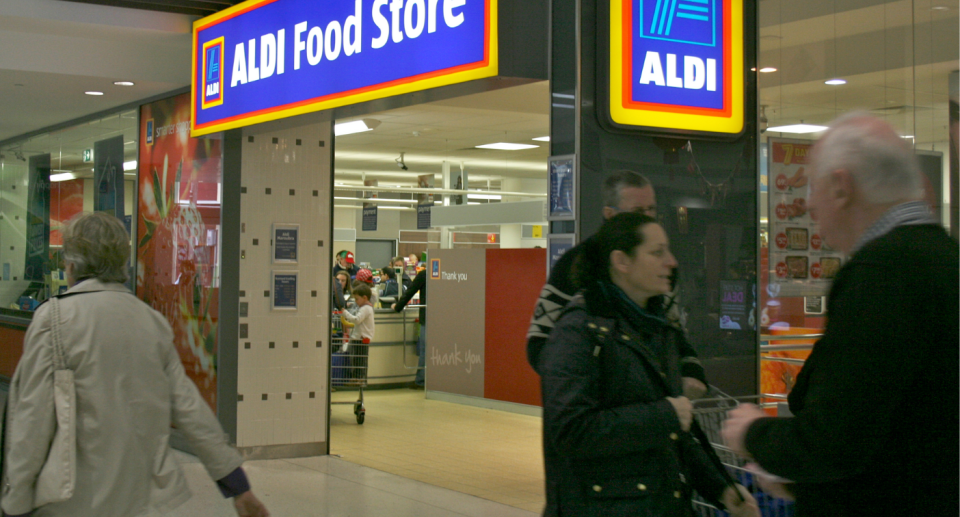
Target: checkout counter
393,351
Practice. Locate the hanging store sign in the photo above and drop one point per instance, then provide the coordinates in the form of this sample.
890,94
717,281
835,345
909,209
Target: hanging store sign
677,65
268,59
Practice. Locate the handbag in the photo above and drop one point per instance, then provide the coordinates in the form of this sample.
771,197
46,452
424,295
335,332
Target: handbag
58,476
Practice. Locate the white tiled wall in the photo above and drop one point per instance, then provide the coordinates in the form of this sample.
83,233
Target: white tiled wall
282,389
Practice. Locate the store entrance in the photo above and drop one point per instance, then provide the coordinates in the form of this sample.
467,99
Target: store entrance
489,143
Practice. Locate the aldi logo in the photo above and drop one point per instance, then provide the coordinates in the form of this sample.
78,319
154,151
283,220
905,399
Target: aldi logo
677,65
683,21
212,73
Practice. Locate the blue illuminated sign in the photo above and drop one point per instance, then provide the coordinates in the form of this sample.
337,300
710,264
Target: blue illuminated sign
268,59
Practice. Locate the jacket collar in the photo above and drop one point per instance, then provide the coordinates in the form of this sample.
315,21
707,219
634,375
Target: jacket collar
612,324
93,285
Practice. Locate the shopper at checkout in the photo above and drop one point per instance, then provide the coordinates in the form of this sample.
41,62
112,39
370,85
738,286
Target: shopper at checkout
345,262
419,285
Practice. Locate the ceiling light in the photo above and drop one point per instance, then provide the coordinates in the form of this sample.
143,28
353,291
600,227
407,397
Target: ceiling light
835,82
767,70
939,8
356,126
484,196
66,176
123,83
799,129
542,139
503,146
130,166
93,93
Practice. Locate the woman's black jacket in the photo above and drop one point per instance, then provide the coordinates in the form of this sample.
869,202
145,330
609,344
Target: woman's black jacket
617,441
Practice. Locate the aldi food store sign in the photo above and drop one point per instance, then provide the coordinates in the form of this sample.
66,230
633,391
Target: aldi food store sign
268,59
677,65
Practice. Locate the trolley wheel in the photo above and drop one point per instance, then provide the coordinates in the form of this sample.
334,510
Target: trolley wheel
360,416
357,408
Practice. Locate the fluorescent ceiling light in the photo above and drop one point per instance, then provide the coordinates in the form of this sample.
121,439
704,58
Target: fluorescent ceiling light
483,196
799,129
356,126
835,82
93,93
65,176
503,146
542,139
377,200
123,83
130,166
767,70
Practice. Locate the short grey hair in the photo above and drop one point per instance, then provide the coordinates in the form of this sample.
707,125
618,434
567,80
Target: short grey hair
881,163
616,182
98,246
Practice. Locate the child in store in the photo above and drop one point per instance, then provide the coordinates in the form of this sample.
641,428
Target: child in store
363,321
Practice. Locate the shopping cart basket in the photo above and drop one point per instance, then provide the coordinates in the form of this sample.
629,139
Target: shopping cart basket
348,365
710,414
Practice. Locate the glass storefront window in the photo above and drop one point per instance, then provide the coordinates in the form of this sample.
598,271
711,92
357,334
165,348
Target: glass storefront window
890,58
46,180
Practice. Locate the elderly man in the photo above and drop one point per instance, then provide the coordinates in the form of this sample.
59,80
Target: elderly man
875,430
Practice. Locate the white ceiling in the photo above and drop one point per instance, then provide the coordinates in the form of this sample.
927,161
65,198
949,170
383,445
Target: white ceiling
54,51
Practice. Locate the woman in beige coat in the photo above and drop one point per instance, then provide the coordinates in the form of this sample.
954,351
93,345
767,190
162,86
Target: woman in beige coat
130,388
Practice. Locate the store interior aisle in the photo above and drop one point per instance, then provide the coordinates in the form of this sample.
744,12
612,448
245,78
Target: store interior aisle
490,454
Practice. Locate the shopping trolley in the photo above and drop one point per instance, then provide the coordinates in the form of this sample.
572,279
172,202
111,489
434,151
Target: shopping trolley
348,365
710,414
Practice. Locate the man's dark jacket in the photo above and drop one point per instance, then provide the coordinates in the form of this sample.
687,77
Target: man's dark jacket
615,440
876,420
419,285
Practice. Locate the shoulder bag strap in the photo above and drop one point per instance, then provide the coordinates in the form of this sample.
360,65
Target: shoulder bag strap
59,357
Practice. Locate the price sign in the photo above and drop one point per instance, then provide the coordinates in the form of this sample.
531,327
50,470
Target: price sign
781,270
816,270
815,241
781,211
781,182
781,240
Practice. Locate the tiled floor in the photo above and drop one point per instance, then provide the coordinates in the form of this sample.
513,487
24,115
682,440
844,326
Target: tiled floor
491,454
329,486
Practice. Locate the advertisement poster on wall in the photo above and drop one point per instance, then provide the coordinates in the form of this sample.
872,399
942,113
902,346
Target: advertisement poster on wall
108,176
38,218
178,234
66,201
801,264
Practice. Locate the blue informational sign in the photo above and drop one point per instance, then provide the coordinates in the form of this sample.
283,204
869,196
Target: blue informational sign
558,246
285,244
267,59
677,64
108,176
285,290
38,218
370,219
423,216
562,187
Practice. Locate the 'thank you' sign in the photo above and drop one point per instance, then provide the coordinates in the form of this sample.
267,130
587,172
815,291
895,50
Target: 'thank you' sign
677,65
268,59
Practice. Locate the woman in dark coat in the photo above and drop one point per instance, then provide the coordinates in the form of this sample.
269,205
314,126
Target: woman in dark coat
613,410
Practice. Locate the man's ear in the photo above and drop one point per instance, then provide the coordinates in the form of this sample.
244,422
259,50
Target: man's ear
842,187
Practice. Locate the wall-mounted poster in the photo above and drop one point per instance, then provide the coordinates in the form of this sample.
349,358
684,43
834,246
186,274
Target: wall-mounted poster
801,264
284,290
178,234
563,188
285,243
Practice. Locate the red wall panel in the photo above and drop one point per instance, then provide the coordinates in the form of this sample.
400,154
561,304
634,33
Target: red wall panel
514,280
11,348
